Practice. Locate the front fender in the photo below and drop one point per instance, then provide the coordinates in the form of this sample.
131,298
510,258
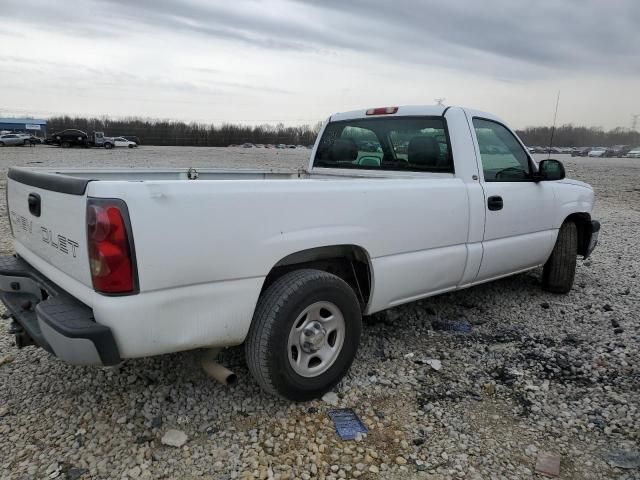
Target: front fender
572,198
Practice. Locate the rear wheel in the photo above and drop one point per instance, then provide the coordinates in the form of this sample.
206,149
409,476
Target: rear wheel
560,269
1,144
304,334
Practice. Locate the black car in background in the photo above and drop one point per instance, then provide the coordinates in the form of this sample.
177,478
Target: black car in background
618,151
580,151
68,138
132,138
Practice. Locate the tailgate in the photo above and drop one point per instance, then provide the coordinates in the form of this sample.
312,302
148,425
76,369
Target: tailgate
47,212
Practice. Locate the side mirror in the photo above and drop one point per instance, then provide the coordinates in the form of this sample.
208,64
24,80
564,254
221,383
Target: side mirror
550,169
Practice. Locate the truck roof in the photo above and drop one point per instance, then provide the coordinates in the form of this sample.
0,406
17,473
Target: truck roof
404,110
410,110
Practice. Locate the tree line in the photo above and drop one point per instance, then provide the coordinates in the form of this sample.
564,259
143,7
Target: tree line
166,132
572,136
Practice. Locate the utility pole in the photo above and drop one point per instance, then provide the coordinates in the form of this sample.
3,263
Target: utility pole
440,101
634,121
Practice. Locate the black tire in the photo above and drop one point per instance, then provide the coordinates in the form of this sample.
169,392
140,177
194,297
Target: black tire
130,146
108,146
1,144
266,347
65,145
560,269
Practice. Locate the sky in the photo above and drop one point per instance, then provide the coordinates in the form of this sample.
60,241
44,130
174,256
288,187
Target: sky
296,62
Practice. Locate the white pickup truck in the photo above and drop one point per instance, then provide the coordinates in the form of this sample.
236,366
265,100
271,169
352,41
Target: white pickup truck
398,204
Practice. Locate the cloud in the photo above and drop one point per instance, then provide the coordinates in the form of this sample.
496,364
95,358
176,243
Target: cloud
254,56
498,37
569,35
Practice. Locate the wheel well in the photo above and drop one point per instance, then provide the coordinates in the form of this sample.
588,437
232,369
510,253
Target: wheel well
583,224
349,262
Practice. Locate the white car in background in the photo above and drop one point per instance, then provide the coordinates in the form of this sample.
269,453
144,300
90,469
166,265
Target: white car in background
13,139
597,152
118,142
633,153
123,142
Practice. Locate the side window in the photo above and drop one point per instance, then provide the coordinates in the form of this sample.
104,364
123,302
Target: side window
503,158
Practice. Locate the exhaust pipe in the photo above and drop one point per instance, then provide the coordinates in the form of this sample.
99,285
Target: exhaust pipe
216,371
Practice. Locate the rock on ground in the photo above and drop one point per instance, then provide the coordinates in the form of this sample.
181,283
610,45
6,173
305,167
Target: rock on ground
174,438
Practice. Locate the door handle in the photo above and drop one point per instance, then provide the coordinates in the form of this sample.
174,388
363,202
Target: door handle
495,203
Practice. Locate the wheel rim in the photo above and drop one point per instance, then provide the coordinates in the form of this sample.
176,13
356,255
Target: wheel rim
316,339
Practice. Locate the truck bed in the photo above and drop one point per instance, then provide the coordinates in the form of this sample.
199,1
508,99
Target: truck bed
206,246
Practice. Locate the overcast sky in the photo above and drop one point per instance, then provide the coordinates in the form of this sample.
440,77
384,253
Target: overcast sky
298,61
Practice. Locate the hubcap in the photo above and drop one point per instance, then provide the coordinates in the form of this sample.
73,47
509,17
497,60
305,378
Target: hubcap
316,339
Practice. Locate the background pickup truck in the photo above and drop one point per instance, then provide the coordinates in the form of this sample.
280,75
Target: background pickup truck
398,204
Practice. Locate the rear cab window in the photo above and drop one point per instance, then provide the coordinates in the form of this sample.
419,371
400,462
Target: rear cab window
418,144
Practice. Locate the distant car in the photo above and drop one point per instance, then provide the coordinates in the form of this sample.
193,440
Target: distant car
133,138
12,139
281,145
33,140
123,142
247,145
597,152
580,151
618,151
633,153
69,138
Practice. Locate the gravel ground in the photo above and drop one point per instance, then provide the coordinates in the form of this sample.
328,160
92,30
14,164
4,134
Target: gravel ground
536,373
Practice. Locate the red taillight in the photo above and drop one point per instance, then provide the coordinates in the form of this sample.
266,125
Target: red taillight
110,246
382,111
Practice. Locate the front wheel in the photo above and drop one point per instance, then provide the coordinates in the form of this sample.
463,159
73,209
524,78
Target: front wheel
108,146
560,270
304,334
65,145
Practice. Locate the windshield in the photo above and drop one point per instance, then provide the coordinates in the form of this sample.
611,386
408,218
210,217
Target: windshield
401,143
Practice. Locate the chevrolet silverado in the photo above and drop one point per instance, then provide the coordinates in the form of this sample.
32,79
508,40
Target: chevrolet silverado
398,204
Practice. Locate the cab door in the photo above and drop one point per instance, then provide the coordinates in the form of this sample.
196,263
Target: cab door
518,232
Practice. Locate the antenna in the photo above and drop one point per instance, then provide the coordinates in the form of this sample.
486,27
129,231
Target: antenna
553,129
634,121
440,101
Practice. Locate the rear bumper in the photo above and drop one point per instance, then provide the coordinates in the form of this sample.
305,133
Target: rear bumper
51,318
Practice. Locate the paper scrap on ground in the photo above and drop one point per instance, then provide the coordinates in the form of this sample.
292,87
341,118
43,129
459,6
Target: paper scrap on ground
347,423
